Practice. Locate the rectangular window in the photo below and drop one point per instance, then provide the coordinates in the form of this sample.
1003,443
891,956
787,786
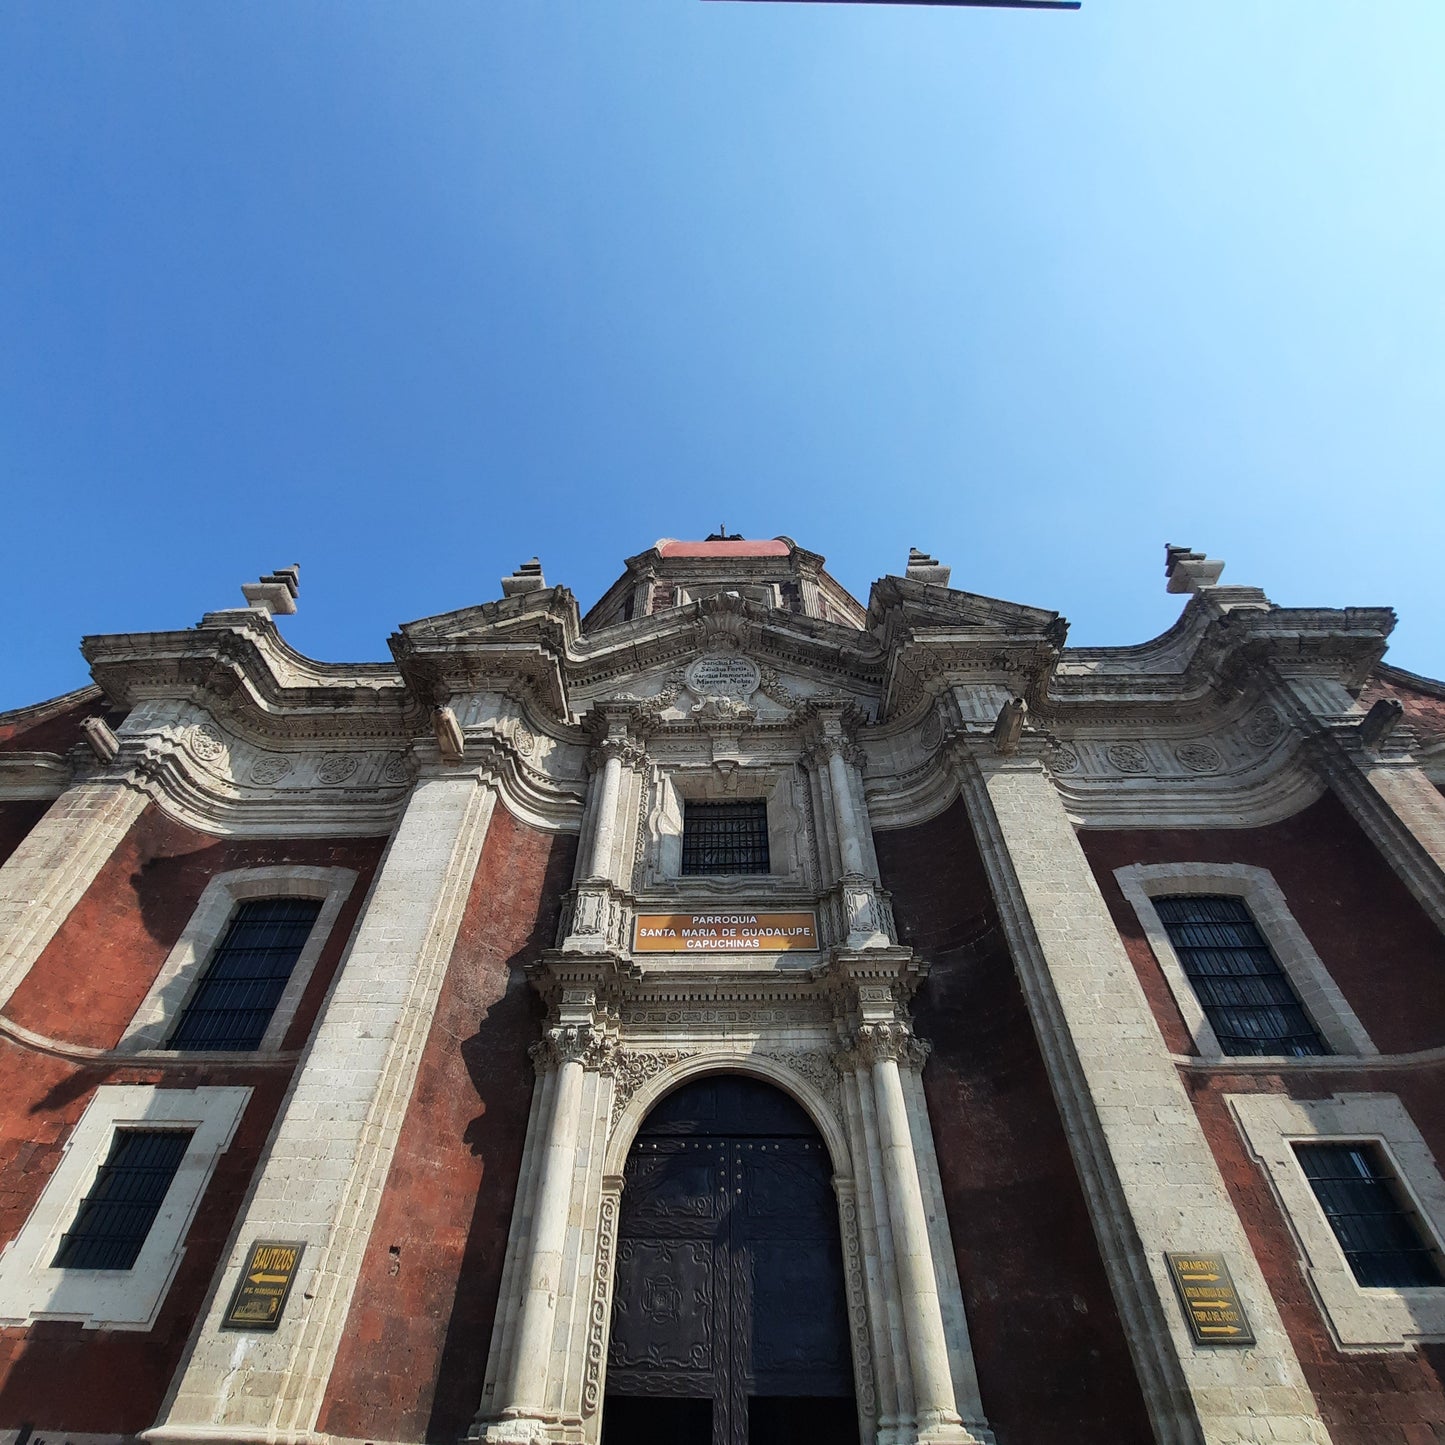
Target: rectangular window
1379,1233
1246,996
114,1218
725,837
247,972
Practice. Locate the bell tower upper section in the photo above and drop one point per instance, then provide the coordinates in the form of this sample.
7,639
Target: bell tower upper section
775,573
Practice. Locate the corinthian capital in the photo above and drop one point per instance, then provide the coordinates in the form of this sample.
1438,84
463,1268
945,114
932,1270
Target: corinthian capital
629,753
872,1043
573,1044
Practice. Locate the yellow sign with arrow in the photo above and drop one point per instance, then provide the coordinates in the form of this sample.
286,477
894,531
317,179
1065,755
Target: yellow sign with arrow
1211,1303
260,1293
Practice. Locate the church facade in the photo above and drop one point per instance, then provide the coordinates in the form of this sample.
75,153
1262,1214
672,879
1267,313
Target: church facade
736,1014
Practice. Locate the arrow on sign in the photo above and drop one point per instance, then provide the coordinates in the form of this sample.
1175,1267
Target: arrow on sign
259,1278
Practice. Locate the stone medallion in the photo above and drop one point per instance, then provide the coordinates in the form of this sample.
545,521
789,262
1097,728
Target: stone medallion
269,769
337,767
1198,757
1129,758
1263,726
206,743
1063,759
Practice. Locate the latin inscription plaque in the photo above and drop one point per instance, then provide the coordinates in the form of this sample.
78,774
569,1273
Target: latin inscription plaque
724,674
265,1282
738,931
1211,1303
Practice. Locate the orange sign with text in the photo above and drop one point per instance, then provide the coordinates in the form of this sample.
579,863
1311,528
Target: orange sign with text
736,931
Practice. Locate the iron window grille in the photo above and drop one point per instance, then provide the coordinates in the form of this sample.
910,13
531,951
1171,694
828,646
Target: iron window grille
114,1219
1379,1233
247,973
1245,994
725,837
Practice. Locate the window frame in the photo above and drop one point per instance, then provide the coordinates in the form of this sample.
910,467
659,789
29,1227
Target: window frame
32,1288
791,852
1360,1317
759,805
1387,1191
180,976
1320,997
75,1240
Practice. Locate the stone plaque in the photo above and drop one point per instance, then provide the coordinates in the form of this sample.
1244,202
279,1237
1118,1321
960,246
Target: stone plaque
265,1282
724,674
732,932
1211,1303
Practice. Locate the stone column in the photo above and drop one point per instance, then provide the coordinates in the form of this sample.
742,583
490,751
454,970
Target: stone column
48,874
937,1418
596,921
1149,1176
322,1177
599,865
523,1394
849,834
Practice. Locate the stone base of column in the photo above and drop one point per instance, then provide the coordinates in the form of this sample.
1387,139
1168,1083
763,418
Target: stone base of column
520,1430
951,1432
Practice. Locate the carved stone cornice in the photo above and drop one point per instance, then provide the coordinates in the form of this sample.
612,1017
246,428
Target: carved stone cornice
250,674
1224,647
831,652
36,776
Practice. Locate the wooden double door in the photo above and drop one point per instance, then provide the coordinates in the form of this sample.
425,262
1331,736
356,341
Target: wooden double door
729,1320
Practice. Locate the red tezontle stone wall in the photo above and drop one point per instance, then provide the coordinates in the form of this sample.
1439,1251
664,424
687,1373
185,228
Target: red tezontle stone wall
16,820
1390,963
61,1376
84,989
1053,1364
1380,948
87,984
1386,1398
415,1345
52,728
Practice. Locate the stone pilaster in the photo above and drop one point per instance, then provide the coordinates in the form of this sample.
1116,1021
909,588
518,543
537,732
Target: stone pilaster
47,875
1150,1180
1397,807
322,1177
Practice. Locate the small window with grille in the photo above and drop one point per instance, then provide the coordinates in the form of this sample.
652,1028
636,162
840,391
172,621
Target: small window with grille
1245,994
114,1219
1380,1234
725,837
246,975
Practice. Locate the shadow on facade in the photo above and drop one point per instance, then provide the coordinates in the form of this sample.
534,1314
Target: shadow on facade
500,1071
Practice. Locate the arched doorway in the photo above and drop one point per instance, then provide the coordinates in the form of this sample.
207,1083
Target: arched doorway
729,1321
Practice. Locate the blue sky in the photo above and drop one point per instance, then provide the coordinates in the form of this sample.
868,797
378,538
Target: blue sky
408,292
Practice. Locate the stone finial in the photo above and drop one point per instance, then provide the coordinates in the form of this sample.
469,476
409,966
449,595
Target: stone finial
923,568
275,592
1009,725
101,737
450,740
527,578
1189,571
1381,720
